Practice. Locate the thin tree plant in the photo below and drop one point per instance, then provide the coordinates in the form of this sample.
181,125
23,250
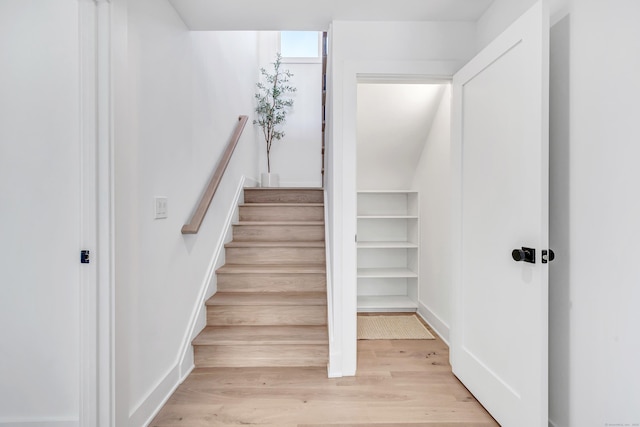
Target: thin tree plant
273,104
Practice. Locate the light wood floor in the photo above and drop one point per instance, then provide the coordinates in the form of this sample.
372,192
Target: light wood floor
399,383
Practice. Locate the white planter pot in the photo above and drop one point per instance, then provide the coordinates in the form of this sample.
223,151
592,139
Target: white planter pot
270,180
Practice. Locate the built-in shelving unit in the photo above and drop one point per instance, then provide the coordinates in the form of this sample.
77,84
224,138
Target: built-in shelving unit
388,236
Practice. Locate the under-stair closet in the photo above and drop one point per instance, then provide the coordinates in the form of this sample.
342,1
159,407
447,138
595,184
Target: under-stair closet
401,151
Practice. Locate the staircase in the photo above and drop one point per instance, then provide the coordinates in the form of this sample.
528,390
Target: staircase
271,305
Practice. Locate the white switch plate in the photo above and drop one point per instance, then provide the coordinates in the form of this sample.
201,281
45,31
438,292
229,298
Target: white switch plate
160,207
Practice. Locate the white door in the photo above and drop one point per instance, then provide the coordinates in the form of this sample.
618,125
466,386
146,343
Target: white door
47,210
500,152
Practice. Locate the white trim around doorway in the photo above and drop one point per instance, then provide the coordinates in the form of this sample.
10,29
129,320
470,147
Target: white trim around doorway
344,182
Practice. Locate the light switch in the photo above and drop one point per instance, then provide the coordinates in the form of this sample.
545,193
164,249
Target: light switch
160,207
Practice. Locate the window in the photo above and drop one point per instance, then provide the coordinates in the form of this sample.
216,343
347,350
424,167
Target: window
300,46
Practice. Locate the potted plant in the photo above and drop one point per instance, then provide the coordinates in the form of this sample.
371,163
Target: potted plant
271,110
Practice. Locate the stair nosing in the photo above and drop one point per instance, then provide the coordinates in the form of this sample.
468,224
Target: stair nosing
283,204
269,223
275,298
302,244
268,340
272,269
284,188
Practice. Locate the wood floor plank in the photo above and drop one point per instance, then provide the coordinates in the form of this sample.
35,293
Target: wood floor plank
453,424
397,384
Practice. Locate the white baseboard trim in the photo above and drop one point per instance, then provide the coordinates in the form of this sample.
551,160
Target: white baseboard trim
153,402
187,361
251,182
436,323
43,422
209,285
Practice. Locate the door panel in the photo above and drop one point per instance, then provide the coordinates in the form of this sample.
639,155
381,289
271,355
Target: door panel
499,333
40,208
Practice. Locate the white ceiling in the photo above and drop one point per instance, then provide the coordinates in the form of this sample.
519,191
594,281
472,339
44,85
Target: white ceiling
218,15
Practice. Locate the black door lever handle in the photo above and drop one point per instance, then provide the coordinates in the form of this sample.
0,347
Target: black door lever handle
524,254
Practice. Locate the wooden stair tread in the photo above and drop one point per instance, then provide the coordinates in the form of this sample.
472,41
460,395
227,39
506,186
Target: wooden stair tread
271,305
276,244
272,269
280,205
262,335
279,223
274,299
275,189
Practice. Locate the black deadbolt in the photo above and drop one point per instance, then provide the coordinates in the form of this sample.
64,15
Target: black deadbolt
524,254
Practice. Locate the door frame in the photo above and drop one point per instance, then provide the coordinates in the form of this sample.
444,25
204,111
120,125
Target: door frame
97,282
343,351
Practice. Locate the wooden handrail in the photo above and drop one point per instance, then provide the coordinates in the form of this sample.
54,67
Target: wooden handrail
198,216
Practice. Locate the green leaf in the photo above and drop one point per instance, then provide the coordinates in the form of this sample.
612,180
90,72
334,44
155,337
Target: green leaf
272,104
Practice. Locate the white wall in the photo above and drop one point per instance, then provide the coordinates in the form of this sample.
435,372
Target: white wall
426,48
184,93
407,41
502,13
297,157
498,17
433,180
603,212
594,211
394,120
40,212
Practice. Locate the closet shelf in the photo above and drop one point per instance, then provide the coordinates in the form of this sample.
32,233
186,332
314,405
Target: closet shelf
385,273
387,245
387,191
367,303
388,253
387,217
